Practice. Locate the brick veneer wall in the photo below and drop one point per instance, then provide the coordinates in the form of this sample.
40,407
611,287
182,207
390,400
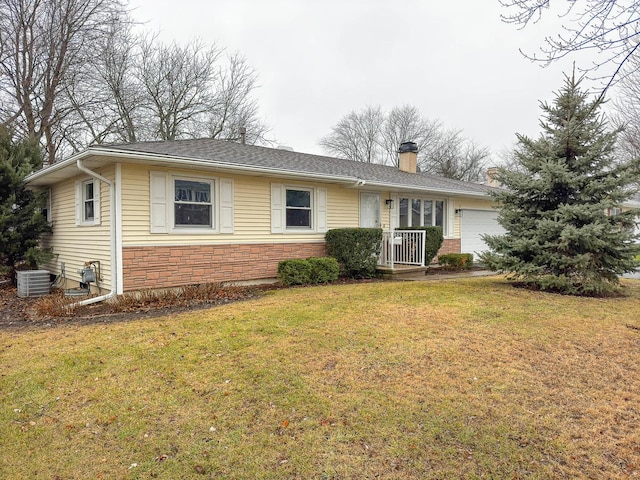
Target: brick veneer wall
162,267
449,245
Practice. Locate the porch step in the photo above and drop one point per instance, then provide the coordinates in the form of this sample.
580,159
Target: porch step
400,270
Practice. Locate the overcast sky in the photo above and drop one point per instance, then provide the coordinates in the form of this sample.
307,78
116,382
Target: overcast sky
318,60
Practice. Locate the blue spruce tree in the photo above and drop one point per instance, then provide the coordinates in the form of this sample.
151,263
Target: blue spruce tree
557,206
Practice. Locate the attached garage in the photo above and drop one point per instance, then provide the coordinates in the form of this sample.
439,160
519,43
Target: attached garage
474,224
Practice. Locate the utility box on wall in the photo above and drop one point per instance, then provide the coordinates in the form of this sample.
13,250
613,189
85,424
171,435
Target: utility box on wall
33,283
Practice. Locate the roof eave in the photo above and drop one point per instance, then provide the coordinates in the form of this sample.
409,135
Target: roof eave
39,178
36,178
230,166
413,188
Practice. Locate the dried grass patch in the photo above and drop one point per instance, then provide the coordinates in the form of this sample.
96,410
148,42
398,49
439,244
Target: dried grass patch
457,379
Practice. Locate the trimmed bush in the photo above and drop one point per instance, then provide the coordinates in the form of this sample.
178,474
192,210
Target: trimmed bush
324,269
311,271
294,272
456,261
433,241
356,249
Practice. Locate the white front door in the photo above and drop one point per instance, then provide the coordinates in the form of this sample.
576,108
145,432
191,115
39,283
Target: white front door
369,210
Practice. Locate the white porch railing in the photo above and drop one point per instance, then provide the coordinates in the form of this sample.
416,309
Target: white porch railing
402,247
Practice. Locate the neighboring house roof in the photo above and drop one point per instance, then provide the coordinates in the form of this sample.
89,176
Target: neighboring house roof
249,158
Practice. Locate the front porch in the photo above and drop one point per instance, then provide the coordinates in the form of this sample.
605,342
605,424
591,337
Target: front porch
401,271
403,252
402,248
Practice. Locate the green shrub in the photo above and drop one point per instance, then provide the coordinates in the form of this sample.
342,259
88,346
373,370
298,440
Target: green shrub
356,249
433,241
456,261
311,271
36,256
294,272
324,269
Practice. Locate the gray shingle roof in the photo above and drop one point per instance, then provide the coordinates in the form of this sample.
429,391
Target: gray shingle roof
278,160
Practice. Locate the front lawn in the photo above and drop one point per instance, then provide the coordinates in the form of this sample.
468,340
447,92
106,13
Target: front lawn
452,379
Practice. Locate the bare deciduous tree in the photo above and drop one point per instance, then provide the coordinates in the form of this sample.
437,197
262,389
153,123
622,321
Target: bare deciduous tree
233,105
72,73
405,124
627,106
454,156
357,136
177,81
610,27
167,92
372,136
45,46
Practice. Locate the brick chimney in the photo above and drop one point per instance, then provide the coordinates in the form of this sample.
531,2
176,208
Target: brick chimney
408,157
492,181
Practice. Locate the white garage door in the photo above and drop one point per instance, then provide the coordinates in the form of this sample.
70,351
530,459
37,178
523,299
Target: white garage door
473,224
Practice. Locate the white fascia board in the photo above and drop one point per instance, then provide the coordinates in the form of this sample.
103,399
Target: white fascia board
56,167
445,192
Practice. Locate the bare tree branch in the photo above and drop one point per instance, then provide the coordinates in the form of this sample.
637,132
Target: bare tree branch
357,136
372,136
611,28
72,73
627,107
406,124
46,45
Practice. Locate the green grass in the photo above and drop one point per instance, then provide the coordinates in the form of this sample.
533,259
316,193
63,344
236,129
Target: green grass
450,379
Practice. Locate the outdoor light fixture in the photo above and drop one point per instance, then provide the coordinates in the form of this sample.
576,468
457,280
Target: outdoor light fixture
389,203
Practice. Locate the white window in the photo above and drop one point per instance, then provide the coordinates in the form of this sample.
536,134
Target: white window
298,209
46,209
613,211
419,212
193,203
190,204
88,202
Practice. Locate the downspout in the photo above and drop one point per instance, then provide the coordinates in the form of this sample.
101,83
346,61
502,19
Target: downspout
112,230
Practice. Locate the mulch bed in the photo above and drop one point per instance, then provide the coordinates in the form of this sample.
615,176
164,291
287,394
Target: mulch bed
18,313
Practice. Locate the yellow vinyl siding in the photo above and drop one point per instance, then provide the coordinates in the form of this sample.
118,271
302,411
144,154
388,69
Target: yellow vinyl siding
251,203
343,207
251,207
471,204
73,244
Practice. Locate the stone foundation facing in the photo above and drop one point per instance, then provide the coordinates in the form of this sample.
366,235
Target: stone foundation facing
449,245
173,266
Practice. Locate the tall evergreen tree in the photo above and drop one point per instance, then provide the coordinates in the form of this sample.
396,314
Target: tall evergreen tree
556,207
21,219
